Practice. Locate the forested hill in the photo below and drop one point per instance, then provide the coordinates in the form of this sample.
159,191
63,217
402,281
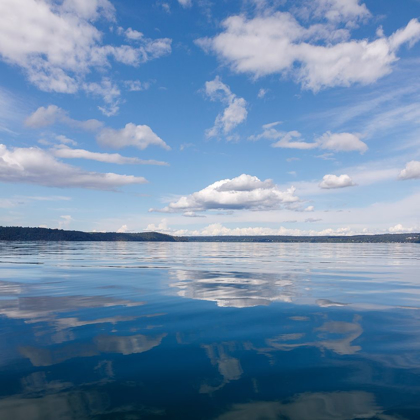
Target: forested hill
386,238
44,234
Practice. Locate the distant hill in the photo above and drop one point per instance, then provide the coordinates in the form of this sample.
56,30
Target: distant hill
16,233
43,234
385,238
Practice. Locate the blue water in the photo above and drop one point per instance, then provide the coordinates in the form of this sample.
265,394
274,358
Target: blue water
209,331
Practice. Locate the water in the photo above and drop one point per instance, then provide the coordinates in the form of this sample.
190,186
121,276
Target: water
209,331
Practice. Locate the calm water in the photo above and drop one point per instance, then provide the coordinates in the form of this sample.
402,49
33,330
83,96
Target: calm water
209,331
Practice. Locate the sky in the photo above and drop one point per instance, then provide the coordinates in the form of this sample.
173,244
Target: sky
211,117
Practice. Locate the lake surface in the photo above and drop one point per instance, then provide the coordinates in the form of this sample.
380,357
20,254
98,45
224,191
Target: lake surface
209,331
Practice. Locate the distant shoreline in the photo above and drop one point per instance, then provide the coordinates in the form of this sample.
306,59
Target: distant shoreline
17,233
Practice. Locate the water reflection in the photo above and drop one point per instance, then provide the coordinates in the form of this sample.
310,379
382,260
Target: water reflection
101,344
320,406
347,332
45,308
229,367
234,289
209,331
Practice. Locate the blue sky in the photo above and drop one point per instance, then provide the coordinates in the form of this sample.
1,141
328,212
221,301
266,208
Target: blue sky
211,117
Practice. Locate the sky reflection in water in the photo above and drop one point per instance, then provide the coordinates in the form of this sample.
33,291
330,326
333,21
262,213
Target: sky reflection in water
209,331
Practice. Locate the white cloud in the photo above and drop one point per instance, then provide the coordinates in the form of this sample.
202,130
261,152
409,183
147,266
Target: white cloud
68,153
140,136
65,221
218,229
334,181
278,43
133,34
234,114
52,114
136,85
287,140
185,3
262,92
166,7
123,229
161,227
61,139
411,171
341,142
90,10
110,94
244,192
338,10
64,140
400,229
337,142
192,214
57,44
36,166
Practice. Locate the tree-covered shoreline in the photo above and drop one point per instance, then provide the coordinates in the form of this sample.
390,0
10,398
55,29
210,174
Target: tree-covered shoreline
18,233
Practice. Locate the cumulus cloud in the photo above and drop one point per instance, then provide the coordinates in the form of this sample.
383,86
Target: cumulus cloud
52,114
68,153
334,181
133,34
123,229
411,171
400,229
64,222
244,192
337,142
161,227
36,166
317,56
140,136
235,112
57,43
218,229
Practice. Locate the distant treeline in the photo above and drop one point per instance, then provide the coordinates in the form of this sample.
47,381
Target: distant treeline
44,234
386,238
